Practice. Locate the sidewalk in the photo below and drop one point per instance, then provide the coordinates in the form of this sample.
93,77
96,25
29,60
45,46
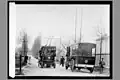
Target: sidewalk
105,70
29,67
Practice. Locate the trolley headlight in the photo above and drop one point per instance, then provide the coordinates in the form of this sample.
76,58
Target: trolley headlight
86,61
48,57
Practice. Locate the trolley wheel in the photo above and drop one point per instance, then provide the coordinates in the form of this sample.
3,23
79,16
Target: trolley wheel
54,65
72,65
91,70
42,65
66,67
79,68
47,65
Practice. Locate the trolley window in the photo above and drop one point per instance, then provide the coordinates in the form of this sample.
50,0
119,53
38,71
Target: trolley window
93,51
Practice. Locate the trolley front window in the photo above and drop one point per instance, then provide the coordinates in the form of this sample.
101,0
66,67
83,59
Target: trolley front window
93,51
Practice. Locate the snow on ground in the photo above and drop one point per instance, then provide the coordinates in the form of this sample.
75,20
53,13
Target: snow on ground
32,66
33,70
61,71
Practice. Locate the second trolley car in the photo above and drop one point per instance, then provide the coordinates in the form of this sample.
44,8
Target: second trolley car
81,55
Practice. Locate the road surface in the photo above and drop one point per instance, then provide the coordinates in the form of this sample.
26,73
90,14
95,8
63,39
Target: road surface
34,70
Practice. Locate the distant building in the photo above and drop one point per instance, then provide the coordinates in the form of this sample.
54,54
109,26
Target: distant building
105,52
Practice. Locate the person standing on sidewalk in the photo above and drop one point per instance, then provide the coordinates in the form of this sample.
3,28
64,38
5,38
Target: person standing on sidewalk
101,63
29,60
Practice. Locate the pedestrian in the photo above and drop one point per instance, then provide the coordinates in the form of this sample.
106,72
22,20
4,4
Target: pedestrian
101,63
62,61
26,59
29,59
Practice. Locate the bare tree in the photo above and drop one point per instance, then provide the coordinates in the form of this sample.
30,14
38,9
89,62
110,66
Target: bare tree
23,39
25,43
23,50
100,33
19,38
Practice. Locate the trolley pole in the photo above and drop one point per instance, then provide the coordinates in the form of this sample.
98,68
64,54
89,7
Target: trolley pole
60,42
81,24
100,41
75,24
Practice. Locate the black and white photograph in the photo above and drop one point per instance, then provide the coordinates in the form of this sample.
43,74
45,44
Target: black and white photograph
59,40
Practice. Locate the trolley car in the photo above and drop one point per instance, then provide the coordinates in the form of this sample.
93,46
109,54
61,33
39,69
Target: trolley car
47,56
81,55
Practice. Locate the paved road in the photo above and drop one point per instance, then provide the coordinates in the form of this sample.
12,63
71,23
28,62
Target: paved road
33,70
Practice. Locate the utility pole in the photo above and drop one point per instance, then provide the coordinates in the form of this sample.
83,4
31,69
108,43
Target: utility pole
20,72
60,42
81,24
100,40
100,47
75,24
24,52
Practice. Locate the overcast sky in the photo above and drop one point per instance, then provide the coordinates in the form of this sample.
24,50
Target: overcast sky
59,21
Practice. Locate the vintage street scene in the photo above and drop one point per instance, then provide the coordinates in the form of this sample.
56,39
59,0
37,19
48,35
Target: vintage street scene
61,40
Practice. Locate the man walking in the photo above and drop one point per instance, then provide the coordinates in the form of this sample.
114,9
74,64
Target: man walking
62,61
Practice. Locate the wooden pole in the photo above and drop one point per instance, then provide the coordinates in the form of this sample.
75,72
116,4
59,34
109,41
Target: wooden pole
100,47
100,39
81,24
75,24
60,42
